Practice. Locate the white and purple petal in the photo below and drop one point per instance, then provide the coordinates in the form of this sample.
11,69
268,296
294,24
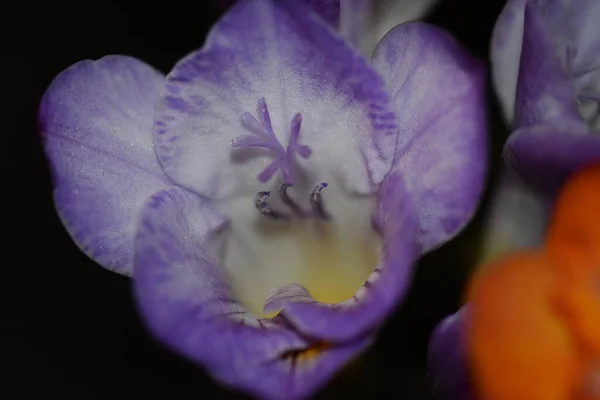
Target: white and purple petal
555,87
185,300
278,54
439,96
545,92
447,362
564,41
96,121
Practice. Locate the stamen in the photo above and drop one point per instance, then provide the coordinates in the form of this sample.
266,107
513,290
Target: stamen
316,204
288,201
262,205
316,201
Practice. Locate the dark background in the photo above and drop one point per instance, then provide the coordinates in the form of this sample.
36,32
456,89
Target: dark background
69,328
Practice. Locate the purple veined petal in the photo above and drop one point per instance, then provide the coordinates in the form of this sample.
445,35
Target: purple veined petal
447,361
96,120
442,149
329,10
365,22
571,29
382,291
279,52
516,219
185,300
546,157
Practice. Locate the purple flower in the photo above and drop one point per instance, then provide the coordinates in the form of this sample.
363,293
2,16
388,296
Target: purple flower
270,195
546,72
449,370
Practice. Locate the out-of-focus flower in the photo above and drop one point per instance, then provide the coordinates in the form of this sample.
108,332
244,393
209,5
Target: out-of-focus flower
449,368
546,70
170,179
531,329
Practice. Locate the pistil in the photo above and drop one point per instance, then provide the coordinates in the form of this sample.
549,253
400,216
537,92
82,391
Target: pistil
262,135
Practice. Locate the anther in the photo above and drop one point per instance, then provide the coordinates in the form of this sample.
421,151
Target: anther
289,202
316,201
262,205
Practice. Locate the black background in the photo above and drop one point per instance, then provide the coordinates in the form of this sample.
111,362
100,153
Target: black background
69,328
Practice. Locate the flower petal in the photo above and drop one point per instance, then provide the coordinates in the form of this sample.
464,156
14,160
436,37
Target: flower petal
448,360
567,24
365,22
545,91
184,298
96,122
385,287
505,54
439,95
276,51
545,157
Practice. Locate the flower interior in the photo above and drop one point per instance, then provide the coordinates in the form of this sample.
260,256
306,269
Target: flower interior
296,232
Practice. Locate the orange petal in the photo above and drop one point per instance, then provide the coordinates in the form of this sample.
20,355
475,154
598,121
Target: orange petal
518,345
573,244
574,236
580,308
